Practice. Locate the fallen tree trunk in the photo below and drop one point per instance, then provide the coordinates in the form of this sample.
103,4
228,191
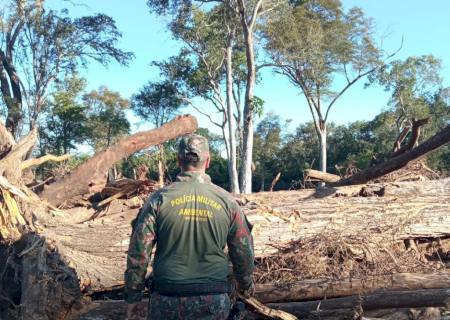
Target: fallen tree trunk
399,161
322,176
91,175
316,289
353,307
382,300
97,247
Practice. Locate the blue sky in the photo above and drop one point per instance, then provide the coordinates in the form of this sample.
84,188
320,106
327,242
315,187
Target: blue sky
423,25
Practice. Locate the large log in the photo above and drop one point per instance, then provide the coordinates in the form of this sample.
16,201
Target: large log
93,173
316,289
354,307
381,300
97,247
399,161
94,249
394,212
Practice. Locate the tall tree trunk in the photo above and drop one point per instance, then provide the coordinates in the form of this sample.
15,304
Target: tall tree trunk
263,178
323,147
232,157
13,100
161,166
247,156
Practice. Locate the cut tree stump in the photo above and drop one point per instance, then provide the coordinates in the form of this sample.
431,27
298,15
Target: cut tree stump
91,176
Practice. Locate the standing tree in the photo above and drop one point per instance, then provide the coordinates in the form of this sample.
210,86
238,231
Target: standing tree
246,13
106,117
204,67
39,46
315,43
268,144
410,82
158,102
65,123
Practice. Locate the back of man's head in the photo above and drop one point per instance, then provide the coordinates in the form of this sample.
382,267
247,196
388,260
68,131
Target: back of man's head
193,152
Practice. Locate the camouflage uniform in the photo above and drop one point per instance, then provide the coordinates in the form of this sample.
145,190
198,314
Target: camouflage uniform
191,221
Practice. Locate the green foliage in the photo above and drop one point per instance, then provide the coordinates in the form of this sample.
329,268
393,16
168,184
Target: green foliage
217,169
267,145
65,122
410,82
44,46
157,102
258,106
313,42
106,117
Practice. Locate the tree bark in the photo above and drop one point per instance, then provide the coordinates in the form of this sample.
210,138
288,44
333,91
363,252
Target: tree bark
6,141
383,300
247,156
13,100
317,289
10,165
438,140
232,160
323,148
91,176
394,211
274,181
38,161
322,176
278,218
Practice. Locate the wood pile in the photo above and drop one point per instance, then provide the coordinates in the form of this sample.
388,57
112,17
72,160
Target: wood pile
338,252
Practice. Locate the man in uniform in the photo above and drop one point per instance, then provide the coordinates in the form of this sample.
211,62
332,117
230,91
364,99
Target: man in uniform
191,221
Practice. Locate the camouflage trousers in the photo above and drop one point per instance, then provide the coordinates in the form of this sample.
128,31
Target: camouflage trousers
205,307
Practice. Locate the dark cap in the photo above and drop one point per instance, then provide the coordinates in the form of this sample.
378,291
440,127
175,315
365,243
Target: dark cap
193,148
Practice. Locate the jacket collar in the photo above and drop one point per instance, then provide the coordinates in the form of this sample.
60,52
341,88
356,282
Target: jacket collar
194,176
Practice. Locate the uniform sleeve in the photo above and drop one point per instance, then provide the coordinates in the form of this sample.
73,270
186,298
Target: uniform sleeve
142,241
240,248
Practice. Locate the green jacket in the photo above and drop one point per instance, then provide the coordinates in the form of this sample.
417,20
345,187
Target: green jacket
191,221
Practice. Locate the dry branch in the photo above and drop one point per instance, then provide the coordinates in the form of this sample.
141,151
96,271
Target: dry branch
91,175
415,133
267,311
274,181
38,161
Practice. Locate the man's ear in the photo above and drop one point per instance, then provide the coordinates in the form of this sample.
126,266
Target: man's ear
207,162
